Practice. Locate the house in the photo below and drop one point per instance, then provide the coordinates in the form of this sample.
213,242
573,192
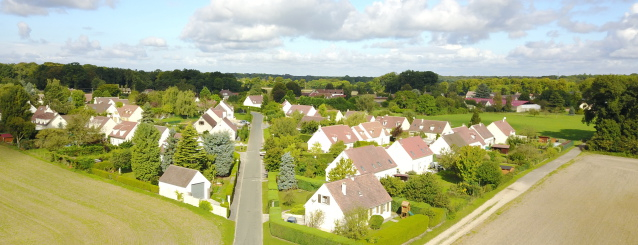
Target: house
88,98
110,100
528,106
470,136
306,110
225,94
311,118
445,143
131,113
503,149
391,122
215,120
225,125
501,130
430,128
470,94
106,109
412,154
164,132
185,181
337,198
254,100
104,124
6,138
205,123
517,105
230,111
327,136
44,117
372,132
124,131
367,160
327,93
485,133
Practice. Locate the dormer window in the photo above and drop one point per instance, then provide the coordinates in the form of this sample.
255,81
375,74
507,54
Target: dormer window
384,123
431,128
473,137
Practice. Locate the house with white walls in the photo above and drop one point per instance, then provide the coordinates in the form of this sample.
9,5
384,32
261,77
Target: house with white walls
163,132
225,125
131,113
185,181
431,129
337,198
327,136
104,124
216,120
485,133
45,117
230,111
254,101
372,132
124,131
470,136
412,154
501,130
367,160
391,122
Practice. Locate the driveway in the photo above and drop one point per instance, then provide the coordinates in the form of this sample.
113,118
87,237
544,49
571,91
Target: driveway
246,208
488,208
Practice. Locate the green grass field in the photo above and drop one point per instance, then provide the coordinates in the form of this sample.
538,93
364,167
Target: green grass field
43,203
554,125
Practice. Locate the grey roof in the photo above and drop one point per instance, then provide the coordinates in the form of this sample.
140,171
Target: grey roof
454,139
361,191
482,130
178,176
428,126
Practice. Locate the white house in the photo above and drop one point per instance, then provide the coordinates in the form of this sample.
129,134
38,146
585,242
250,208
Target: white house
306,110
446,142
326,136
372,132
485,133
211,122
430,128
44,117
367,159
391,122
411,154
254,100
124,131
501,130
131,113
225,125
104,124
111,100
339,197
164,132
230,111
188,182
470,136
527,107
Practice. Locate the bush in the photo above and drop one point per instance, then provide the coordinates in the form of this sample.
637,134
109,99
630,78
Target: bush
84,163
375,222
302,234
273,196
402,231
82,150
298,209
308,184
272,181
436,215
104,165
127,181
205,205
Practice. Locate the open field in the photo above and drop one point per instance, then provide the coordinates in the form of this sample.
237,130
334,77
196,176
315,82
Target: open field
45,204
554,125
592,201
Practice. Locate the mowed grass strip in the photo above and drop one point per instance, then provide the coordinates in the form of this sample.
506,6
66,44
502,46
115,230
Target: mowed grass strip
42,203
554,125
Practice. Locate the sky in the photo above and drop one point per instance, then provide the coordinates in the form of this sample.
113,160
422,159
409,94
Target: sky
327,37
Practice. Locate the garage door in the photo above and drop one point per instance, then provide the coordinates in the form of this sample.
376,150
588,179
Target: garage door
198,190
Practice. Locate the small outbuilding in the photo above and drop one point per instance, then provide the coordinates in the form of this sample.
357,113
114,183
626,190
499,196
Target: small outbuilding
6,138
503,149
188,182
506,169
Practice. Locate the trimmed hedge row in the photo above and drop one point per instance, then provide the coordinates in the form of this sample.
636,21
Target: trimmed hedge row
302,234
308,184
273,195
272,181
233,172
436,216
127,181
82,151
402,231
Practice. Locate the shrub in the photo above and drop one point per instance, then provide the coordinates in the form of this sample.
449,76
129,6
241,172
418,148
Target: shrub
104,165
205,205
272,181
298,209
436,215
289,199
308,184
402,231
302,234
127,181
376,221
84,163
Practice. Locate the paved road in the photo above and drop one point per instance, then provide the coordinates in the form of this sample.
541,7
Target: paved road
479,215
246,209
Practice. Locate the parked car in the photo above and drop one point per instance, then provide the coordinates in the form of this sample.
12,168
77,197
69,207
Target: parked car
292,219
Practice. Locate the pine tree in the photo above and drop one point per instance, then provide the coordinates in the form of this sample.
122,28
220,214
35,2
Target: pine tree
147,113
204,94
145,154
482,91
189,153
219,145
169,150
286,177
476,118
556,102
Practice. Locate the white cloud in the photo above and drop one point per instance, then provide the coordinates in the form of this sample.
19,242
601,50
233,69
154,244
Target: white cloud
153,42
43,7
24,30
81,46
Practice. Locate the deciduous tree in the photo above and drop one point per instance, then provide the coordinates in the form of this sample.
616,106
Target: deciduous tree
425,188
344,169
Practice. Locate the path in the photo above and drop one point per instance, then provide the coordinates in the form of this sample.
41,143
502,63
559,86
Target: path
246,208
488,208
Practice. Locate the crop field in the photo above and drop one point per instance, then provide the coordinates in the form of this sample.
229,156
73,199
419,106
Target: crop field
553,125
592,201
42,203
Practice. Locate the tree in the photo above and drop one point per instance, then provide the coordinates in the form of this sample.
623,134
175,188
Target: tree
393,185
556,102
121,159
315,218
189,153
366,102
336,148
78,98
309,127
345,168
426,104
169,150
145,154
396,132
498,101
278,92
482,91
52,139
508,104
185,104
204,94
294,87
426,188
467,163
489,172
355,119
476,118
77,131
286,177
272,159
20,129
219,145
57,97
284,126
147,114
354,224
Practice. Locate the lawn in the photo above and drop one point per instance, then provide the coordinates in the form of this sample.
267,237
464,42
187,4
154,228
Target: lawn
299,196
554,125
45,203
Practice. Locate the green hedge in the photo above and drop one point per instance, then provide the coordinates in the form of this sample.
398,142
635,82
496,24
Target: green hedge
273,195
305,137
301,234
230,190
402,231
272,181
325,158
308,184
437,217
82,150
127,181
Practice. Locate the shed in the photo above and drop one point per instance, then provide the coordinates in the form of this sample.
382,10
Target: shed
182,180
506,169
6,138
403,177
546,139
504,149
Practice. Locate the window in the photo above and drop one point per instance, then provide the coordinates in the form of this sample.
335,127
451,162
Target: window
362,168
201,122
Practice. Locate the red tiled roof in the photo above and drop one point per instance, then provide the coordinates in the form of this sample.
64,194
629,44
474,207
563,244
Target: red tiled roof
482,130
361,191
256,99
416,147
370,159
374,129
304,109
122,130
390,122
339,132
468,135
428,126
505,127
127,110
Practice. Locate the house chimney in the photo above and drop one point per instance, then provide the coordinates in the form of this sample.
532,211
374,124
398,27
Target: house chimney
504,119
343,188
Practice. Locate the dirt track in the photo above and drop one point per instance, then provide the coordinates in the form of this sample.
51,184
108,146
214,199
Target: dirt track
593,201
